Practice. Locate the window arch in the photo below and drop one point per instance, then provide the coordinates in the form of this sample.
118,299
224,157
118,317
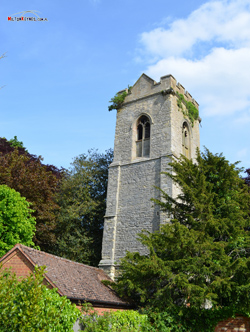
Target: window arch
185,140
143,137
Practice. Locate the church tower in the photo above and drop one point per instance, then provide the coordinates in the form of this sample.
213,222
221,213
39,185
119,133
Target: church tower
152,127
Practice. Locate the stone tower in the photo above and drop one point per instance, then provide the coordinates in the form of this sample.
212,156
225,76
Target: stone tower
152,126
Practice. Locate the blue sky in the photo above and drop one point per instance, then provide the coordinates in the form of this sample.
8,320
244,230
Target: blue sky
59,75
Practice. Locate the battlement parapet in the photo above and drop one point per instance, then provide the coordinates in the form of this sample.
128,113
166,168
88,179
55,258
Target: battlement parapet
146,86
181,90
188,96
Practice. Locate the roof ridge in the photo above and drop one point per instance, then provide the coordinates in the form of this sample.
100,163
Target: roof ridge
61,258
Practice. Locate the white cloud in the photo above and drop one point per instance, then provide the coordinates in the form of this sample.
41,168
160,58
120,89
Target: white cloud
209,53
219,21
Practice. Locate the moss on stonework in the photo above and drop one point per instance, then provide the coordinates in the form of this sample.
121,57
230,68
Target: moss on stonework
118,99
191,111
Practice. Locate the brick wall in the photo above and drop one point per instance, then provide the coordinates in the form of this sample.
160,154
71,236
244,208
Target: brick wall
237,324
18,264
100,310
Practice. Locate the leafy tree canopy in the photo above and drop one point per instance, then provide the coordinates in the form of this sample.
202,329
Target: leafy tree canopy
16,223
247,178
82,199
28,305
14,142
202,257
37,182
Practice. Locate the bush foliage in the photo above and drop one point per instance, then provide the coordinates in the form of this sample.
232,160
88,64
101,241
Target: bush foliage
152,320
116,321
27,305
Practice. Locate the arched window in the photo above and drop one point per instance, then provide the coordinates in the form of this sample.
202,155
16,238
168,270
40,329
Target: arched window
143,137
185,140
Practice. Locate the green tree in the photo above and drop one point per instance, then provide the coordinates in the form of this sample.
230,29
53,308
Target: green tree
37,182
14,142
247,178
202,257
16,223
82,199
27,305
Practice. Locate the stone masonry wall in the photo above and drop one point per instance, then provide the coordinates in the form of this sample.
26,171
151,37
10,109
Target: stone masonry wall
132,180
135,209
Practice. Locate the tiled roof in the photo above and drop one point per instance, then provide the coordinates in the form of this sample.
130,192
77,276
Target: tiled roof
74,280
